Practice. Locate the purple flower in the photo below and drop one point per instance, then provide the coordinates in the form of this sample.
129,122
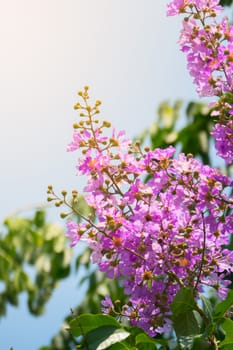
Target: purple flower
167,231
108,306
72,232
223,135
208,46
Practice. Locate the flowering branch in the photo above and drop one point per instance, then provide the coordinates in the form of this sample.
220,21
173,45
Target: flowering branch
152,235
202,255
208,45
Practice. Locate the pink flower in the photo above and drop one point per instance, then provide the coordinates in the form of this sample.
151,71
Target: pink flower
72,232
223,135
108,306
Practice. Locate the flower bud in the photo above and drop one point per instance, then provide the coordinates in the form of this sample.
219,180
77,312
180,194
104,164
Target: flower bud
74,193
58,203
106,124
98,103
64,215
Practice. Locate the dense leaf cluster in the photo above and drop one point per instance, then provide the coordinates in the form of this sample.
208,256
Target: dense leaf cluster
33,258
104,332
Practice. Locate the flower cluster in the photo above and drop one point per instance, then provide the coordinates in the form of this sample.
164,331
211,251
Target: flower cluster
208,45
160,221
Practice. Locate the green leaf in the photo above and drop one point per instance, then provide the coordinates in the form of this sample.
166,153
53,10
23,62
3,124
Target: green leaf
207,307
227,326
200,343
143,341
103,337
183,301
144,338
222,307
39,218
185,324
121,346
226,2
40,246
85,323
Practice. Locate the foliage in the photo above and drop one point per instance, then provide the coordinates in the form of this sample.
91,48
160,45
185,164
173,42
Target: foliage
226,2
188,131
33,258
104,332
97,285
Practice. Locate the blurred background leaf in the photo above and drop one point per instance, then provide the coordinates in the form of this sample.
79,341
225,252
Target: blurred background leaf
33,257
188,130
226,2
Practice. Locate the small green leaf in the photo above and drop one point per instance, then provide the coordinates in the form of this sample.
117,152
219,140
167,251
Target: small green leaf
226,2
222,307
117,336
144,338
39,218
207,307
227,326
102,338
183,301
85,323
185,324
200,343
121,346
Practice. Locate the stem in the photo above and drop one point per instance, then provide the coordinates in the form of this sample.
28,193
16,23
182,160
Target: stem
202,255
82,331
118,190
91,124
176,278
203,315
206,321
214,342
89,221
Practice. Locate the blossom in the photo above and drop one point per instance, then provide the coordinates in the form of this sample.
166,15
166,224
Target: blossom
175,7
108,306
223,135
72,232
161,220
159,223
208,46
179,6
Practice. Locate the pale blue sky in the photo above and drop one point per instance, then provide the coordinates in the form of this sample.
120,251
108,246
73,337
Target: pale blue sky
126,50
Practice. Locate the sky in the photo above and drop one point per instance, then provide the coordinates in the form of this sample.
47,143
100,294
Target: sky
126,51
